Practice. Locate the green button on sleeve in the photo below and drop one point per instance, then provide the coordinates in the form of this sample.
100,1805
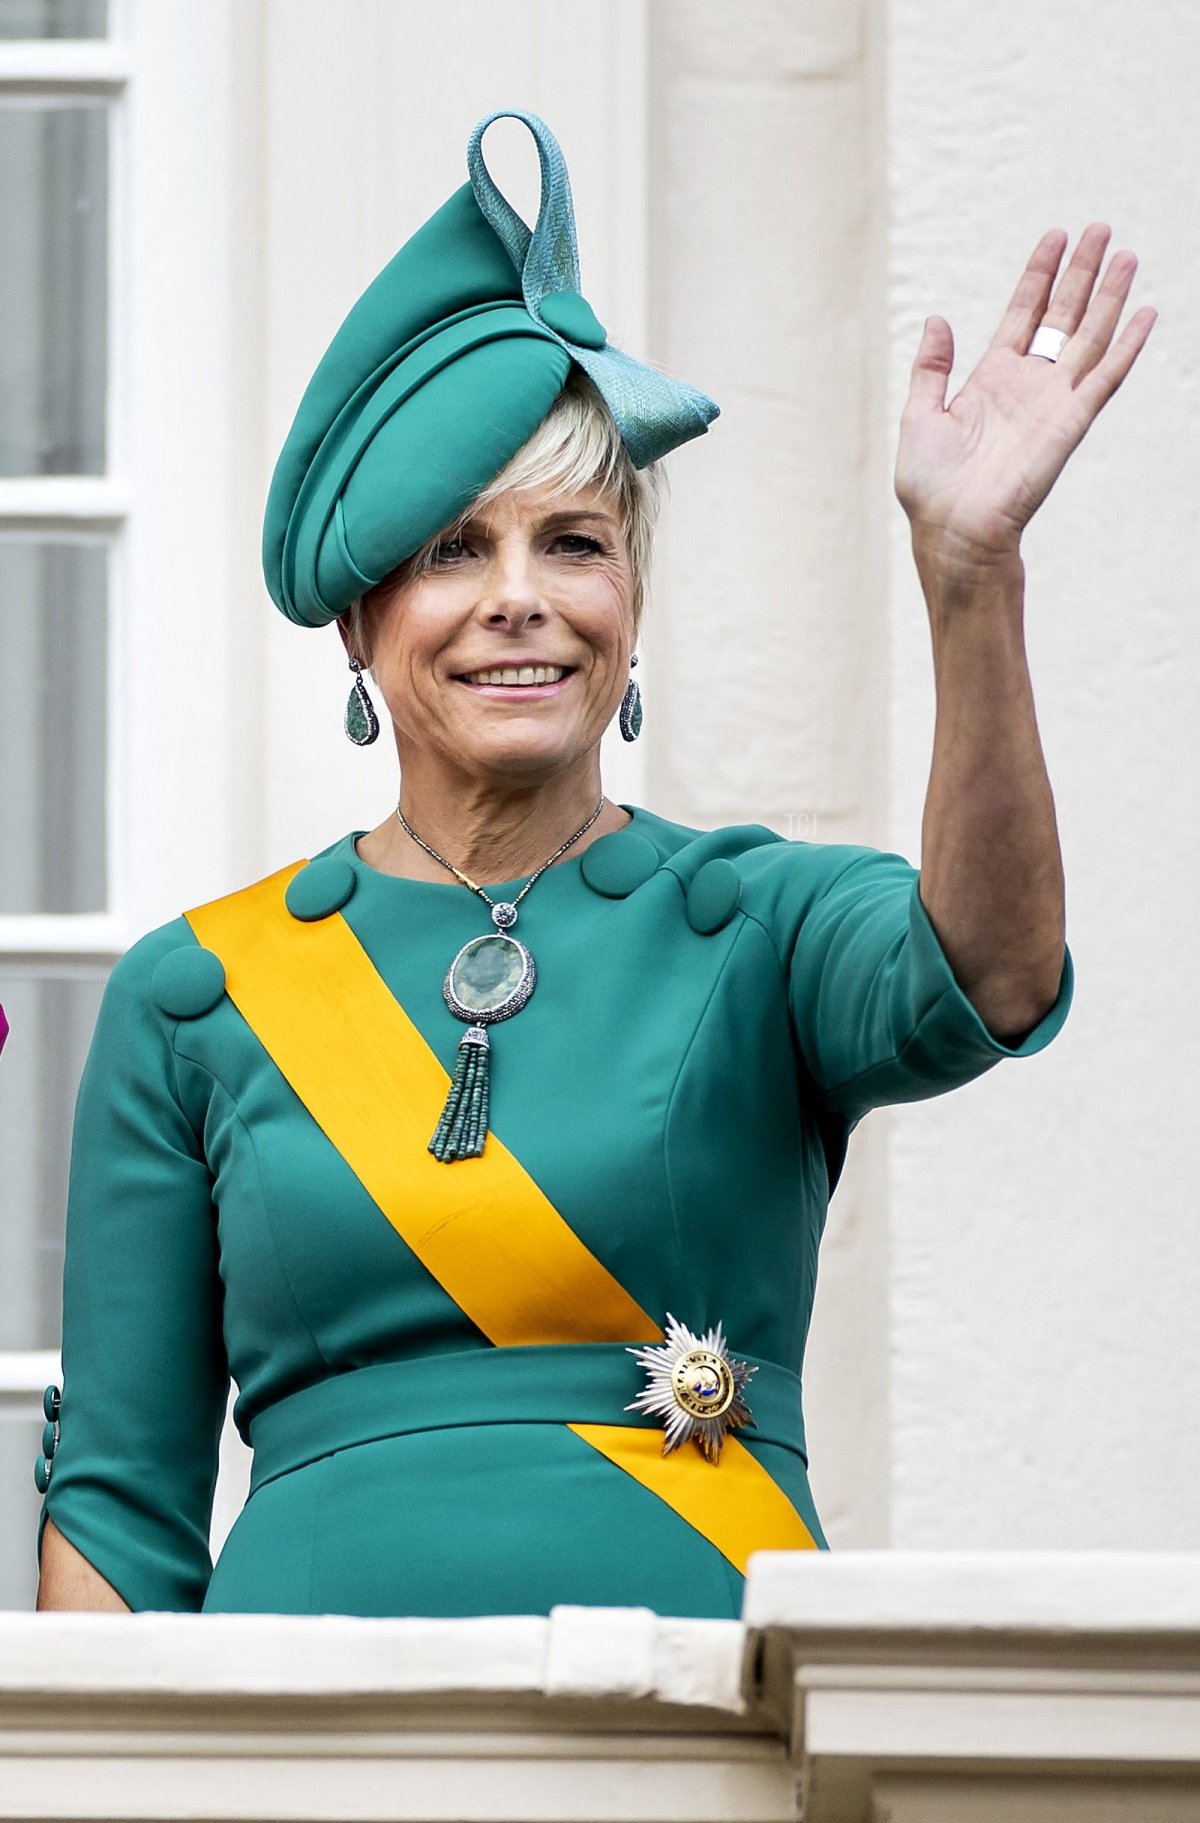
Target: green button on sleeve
145,1379
878,1013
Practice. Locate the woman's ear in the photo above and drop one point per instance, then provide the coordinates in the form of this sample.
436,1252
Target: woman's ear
345,623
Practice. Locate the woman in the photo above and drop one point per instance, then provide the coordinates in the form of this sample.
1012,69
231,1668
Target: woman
490,1150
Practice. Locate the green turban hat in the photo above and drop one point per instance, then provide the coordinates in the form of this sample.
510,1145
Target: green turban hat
444,367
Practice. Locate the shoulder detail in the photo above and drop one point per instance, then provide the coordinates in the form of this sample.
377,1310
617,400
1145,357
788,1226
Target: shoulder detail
188,982
686,849
713,895
746,868
131,1014
319,889
777,877
617,864
133,971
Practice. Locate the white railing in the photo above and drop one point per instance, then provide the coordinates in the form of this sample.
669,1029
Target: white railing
1000,1688
982,1687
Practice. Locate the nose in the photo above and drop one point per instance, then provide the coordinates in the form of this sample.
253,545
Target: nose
512,594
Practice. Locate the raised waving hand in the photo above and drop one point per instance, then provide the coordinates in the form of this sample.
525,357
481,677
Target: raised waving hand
973,472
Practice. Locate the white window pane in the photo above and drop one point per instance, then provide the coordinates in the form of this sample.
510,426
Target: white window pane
20,1509
53,286
51,1022
53,730
53,18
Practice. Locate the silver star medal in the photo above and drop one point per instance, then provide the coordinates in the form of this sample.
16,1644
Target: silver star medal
694,1386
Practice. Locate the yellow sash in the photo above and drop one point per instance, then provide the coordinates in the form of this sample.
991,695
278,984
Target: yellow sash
339,1036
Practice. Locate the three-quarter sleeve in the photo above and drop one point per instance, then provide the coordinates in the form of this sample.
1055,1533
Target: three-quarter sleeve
878,1013
145,1378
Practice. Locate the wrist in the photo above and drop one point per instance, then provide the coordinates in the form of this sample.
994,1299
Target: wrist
956,572
948,545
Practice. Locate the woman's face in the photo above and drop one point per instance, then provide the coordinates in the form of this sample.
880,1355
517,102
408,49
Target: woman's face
530,581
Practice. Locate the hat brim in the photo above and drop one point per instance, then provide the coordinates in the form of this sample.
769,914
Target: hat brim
384,480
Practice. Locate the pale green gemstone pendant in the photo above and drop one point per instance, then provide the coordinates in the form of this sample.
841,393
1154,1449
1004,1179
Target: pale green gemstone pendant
487,971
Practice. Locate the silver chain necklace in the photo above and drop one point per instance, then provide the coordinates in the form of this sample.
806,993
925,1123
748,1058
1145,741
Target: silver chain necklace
491,978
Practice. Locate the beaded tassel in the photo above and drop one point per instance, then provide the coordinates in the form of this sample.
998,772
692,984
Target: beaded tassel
462,1128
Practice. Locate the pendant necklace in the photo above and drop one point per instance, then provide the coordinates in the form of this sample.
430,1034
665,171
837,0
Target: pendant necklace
491,978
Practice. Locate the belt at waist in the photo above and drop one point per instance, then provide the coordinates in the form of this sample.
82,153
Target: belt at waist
538,1383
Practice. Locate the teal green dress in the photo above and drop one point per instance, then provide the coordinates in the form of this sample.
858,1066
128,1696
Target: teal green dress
714,1013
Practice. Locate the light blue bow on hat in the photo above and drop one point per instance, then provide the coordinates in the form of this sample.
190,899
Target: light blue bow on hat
653,412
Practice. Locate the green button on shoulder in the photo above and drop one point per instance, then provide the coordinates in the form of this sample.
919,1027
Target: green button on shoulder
41,1474
188,982
712,897
618,864
573,318
319,890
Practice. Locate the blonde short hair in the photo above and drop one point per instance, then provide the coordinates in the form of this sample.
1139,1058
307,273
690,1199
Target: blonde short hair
577,445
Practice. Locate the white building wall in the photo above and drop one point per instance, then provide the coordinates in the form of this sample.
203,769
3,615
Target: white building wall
1045,1277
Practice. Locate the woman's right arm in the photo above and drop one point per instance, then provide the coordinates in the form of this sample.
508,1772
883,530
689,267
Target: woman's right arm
68,1579
132,1466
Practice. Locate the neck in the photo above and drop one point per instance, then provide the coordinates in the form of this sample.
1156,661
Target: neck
491,831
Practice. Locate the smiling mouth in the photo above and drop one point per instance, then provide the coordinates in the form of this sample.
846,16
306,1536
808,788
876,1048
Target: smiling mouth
524,682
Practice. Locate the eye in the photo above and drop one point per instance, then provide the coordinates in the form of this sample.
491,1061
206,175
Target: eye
591,545
446,551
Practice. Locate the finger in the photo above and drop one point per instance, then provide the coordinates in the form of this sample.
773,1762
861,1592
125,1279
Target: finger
931,368
1091,338
1101,383
1073,293
1032,294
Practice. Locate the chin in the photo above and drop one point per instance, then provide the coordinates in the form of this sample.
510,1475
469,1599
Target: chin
521,759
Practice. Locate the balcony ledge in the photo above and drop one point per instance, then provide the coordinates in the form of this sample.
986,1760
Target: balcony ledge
925,1688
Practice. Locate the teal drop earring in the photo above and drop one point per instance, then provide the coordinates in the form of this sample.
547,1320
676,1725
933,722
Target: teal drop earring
631,706
362,723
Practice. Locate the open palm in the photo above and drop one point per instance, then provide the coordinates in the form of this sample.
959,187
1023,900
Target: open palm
974,472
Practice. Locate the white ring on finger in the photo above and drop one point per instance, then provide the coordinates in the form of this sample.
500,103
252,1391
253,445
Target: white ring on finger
1047,344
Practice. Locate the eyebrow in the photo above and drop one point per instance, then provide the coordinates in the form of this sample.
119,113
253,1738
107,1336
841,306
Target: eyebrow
559,518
